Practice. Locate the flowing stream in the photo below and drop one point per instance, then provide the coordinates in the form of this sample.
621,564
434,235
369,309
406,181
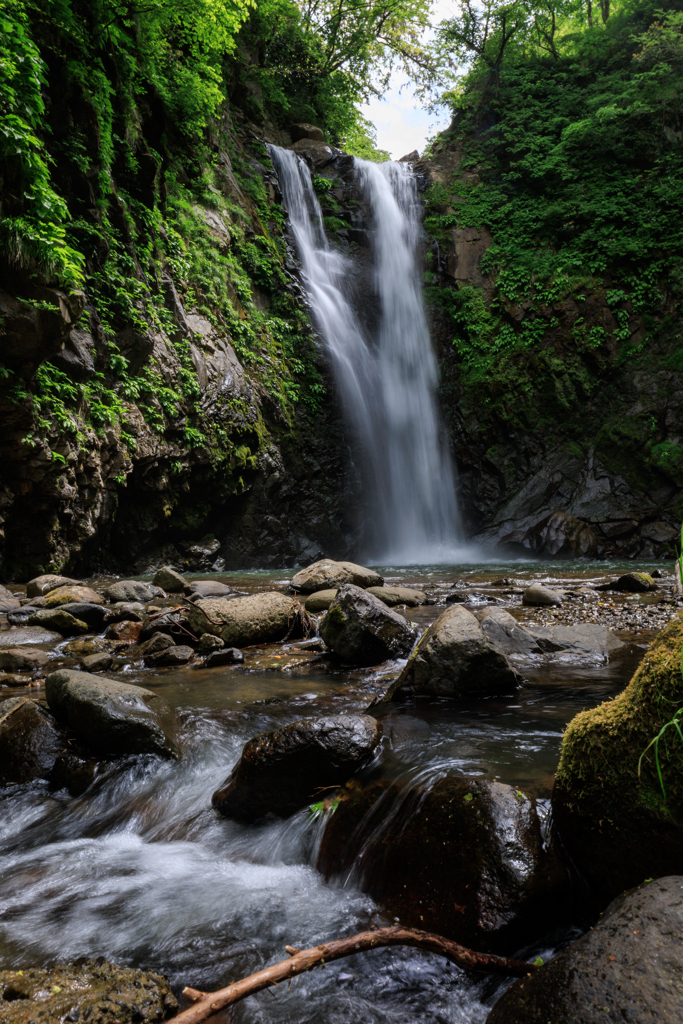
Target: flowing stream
141,870
387,377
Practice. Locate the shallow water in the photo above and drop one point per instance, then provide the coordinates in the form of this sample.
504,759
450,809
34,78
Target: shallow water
141,870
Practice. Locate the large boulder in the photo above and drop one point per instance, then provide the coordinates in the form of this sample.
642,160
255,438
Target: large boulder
586,641
132,590
462,857
92,614
88,990
29,743
70,595
22,659
327,574
42,585
455,658
628,968
320,601
537,594
620,820
112,718
208,588
282,771
362,630
505,633
632,583
242,621
59,620
393,596
169,580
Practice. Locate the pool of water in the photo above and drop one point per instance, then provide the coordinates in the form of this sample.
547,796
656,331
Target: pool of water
141,870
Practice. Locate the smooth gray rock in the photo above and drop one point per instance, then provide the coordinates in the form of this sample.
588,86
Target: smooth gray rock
112,718
320,601
393,596
505,633
628,969
226,656
585,640
22,659
455,658
327,574
41,585
282,771
169,580
131,590
156,643
208,588
361,629
100,662
242,621
125,611
176,655
537,594
29,741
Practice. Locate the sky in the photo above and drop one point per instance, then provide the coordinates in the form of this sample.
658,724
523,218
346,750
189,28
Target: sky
402,125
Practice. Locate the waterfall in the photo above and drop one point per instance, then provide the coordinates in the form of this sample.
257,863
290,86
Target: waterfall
387,377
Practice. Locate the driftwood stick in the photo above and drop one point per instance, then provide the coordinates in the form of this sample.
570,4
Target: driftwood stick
305,959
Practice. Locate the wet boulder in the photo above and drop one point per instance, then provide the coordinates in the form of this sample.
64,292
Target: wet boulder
327,574
69,595
242,621
619,820
224,656
505,633
92,614
83,647
124,630
461,857
320,601
392,596
101,662
628,968
132,590
282,771
157,642
22,659
586,641
88,990
632,583
112,718
172,623
29,743
42,585
361,629
209,643
131,611
8,602
59,620
537,594
176,655
169,580
455,658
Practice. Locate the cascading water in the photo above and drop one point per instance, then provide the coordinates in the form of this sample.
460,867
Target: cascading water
386,382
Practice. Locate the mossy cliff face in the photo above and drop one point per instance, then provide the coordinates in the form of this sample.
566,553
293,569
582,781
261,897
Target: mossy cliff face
556,305
166,399
617,822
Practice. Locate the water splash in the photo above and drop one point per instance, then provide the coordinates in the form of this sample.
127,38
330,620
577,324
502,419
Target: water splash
386,379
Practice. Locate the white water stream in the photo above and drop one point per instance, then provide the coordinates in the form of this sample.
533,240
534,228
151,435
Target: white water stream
386,380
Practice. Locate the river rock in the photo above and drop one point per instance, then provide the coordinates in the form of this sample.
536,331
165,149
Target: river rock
92,614
70,595
461,857
505,633
584,641
29,744
632,583
112,718
455,658
124,631
132,611
537,594
617,823
282,771
132,590
327,574
22,659
169,580
18,616
42,585
58,619
208,588
100,662
30,635
628,968
393,596
88,990
157,642
320,601
83,647
15,679
209,643
172,656
226,656
170,623
361,629
242,621
8,603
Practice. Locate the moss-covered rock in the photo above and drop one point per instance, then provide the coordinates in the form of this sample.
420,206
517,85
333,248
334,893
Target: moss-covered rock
620,820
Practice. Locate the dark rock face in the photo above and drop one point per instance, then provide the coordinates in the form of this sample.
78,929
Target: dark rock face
282,771
629,967
455,658
362,630
92,990
463,857
29,742
112,718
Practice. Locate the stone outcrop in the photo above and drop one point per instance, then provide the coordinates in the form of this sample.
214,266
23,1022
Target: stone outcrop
361,630
629,967
112,718
282,771
455,658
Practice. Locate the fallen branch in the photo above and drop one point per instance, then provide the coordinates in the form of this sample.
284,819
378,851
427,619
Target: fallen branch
208,1003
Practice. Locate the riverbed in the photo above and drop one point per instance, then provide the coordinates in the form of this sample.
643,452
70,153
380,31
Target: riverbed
141,870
